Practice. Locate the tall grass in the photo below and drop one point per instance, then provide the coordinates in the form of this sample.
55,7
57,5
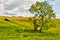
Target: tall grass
22,29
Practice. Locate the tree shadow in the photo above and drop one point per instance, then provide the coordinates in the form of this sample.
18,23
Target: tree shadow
37,31
27,31
31,31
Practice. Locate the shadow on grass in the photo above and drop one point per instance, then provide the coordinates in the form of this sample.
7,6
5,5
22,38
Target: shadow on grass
40,34
31,31
27,31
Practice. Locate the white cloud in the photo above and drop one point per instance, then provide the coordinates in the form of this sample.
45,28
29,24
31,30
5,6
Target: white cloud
16,7
18,3
19,7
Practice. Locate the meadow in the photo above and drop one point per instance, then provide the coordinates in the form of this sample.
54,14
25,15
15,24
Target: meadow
22,29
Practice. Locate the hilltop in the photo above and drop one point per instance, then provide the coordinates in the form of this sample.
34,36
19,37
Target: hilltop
22,29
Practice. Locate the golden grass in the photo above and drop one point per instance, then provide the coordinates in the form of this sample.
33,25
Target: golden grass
28,23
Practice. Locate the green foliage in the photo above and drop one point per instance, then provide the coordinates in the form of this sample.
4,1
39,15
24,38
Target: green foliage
42,10
48,24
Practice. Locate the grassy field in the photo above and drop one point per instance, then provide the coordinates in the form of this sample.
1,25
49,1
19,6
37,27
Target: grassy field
22,29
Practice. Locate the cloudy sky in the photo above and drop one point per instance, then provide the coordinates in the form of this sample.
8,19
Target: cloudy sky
20,7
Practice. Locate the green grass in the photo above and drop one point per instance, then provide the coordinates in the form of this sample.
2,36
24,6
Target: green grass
20,29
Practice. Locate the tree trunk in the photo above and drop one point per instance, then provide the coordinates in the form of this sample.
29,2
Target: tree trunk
41,24
35,28
34,22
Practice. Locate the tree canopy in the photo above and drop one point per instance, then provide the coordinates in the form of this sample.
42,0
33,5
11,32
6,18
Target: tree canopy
42,10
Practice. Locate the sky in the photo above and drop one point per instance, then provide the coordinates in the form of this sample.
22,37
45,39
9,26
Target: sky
20,7
56,8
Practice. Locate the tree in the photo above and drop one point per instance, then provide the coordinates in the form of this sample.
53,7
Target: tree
42,10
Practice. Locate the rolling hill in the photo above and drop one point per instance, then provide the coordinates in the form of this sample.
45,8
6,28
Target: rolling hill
13,28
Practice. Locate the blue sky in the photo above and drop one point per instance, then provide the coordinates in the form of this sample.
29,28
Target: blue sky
20,7
57,8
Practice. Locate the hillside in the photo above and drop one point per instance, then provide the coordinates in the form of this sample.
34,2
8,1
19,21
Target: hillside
22,29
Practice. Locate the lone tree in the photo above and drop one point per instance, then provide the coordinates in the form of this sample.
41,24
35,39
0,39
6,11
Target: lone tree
44,11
